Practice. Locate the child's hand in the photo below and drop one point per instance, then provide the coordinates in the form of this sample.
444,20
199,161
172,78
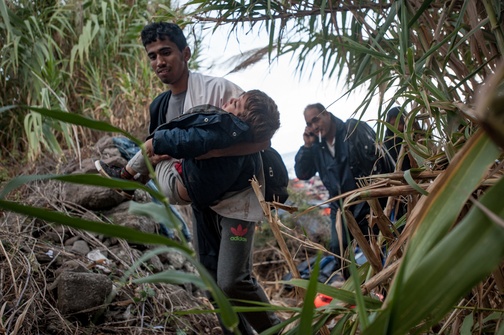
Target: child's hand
153,158
148,147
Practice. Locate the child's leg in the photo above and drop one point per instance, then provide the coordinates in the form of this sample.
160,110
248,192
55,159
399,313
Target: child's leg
137,165
171,183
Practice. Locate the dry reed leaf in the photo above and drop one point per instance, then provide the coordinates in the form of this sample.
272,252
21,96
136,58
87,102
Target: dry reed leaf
21,318
366,248
273,221
380,277
10,268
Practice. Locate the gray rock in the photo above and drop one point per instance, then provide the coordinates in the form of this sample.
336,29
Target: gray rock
120,215
103,143
91,197
81,247
53,237
128,256
174,258
71,240
156,264
84,166
111,152
80,292
71,265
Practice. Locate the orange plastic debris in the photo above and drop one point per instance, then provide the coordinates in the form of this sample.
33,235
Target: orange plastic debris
322,300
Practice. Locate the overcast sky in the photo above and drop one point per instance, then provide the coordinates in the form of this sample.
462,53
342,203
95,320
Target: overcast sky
280,82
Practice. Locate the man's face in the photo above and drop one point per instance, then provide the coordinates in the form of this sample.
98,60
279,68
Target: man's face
318,123
400,126
167,61
235,105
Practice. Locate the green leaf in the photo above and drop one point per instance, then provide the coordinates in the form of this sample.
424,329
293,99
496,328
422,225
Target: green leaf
448,195
404,44
453,266
81,121
441,266
4,12
155,211
126,233
423,8
467,324
85,179
172,277
6,108
305,326
411,182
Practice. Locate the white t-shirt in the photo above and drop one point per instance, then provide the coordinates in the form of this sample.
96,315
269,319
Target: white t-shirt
215,91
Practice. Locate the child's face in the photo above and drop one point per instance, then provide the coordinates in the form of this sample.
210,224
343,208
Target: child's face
235,105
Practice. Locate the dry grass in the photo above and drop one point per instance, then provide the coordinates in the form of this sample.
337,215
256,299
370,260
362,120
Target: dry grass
33,252
27,273
484,301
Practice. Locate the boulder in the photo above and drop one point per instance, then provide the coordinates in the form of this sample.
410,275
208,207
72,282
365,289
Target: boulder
82,293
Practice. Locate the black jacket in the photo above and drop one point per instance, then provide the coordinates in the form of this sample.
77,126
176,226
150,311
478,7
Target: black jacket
200,130
355,156
159,104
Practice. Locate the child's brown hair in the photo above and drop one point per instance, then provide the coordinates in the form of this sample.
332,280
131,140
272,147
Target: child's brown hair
261,114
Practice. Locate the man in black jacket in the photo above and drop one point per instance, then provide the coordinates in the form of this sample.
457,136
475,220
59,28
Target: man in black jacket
339,152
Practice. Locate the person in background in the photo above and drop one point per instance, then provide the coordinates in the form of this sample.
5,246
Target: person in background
392,142
214,232
339,152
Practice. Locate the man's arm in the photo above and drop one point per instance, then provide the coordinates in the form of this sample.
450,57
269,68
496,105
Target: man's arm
304,161
239,149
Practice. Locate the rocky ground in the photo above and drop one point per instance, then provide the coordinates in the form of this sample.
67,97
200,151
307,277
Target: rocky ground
59,280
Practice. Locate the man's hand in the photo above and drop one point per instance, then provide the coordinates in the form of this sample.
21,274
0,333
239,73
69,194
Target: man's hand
309,138
153,158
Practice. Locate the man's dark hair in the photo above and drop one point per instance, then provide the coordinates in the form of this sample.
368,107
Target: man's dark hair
261,114
393,113
318,106
163,31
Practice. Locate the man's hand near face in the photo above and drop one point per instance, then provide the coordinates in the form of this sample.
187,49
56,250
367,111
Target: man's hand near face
308,137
